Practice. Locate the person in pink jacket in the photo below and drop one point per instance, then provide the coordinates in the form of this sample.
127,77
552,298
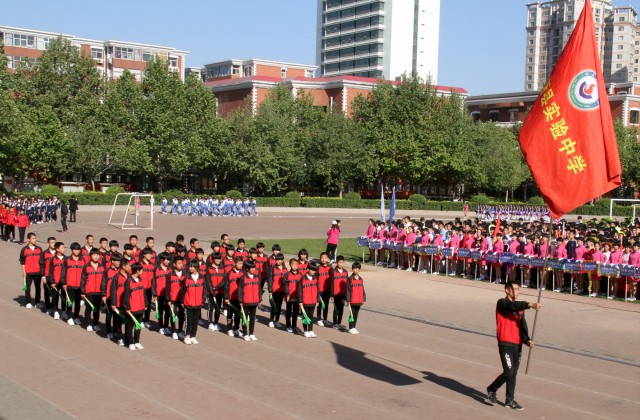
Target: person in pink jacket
333,235
393,237
372,234
528,250
409,241
383,235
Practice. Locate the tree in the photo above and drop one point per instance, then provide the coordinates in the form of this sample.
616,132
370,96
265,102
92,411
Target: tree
629,150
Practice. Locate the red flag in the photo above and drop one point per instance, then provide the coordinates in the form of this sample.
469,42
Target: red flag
496,229
568,139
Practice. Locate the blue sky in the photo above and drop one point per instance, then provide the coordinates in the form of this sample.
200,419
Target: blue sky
482,42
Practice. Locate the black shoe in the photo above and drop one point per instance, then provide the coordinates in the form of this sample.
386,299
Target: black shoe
513,405
491,396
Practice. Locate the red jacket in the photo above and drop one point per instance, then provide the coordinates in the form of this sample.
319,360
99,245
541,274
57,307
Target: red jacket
45,261
291,283
231,284
511,327
275,279
160,280
22,221
134,298
355,290
249,289
57,270
73,270
193,291
92,277
339,282
308,291
107,281
215,280
324,278
117,289
261,265
31,260
174,285
147,274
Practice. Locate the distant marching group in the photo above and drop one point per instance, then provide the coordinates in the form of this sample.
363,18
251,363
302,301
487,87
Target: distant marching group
179,282
210,207
513,212
580,255
20,212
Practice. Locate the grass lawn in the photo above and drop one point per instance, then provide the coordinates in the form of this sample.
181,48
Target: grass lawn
347,247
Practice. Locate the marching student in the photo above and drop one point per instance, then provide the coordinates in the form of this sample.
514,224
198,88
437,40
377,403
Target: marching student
10,226
324,286
134,302
104,248
127,254
133,240
55,278
105,287
275,250
339,290
22,221
249,298
215,287
93,275
74,265
241,251
192,296
291,284
308,294
148,269
86,248
275,286
113,252
149,244
161,278
194,244
231,299
229,261
261,266
31,269
172,295
356,296
303,261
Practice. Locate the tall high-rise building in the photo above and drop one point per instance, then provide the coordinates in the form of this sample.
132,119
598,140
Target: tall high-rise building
550,24
380,39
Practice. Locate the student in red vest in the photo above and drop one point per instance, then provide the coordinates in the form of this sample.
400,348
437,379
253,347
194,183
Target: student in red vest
356,296
117,298
22,221
148,270
303,261
291,285
113,251
161,278
261,266
74,265
275,250
338,291
172,294
194,244
215,287
192,296
30,260
10,226
275,286
215,247
249,298
55,278
112,272
512,333
93,275
231,298
135,303
324,286
86,248
149,244
308,294
229,261
133,240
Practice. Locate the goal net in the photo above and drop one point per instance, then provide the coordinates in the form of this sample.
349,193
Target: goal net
132,211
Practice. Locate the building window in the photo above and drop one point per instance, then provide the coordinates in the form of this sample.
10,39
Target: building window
43,42
634,116
513,115
621,47
494,116
147,55
96,54
18,40
173,63
530,59
283,73
621,19
126,53
619,56
620,28
529,86
308,73
618,66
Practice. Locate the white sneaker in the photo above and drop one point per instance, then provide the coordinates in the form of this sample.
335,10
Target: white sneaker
28,306
253,337
82,302
632,299
89,328
187,340
557,290
174,336
216,327
40,305
70,322
110,336
356,331
409,269
194,341
289,329
121,342
610,297
97,328
147,325
181,335
247,338
593,295
353,331
139,346
307,334
56,315
277,324
132,347
230,333
320,323
224,312
271,324
313,334
212,327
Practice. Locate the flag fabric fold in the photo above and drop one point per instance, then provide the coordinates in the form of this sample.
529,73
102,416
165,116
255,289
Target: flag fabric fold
382,203
568,138
392,210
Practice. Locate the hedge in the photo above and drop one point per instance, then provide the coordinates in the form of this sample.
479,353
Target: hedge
601,208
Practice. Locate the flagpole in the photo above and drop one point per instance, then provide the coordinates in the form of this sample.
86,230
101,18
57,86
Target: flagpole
544,271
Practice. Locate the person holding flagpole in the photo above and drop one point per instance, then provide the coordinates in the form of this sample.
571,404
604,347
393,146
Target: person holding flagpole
333,236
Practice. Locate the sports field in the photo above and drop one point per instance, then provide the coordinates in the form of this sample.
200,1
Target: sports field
426,347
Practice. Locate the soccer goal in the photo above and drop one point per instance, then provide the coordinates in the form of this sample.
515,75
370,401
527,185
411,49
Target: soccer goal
132,211
636,203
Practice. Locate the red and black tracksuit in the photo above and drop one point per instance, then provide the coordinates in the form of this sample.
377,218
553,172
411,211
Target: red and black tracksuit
105,287
215,288
147,279
356,297
55,277
30,259
242,253
291,282
249,297
324,286
303,267
135,302
73,280
45,262
308,295
172,294
117,300
159,291
338,291
262,269
512,333
192,295
231,294
91,288
275,285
